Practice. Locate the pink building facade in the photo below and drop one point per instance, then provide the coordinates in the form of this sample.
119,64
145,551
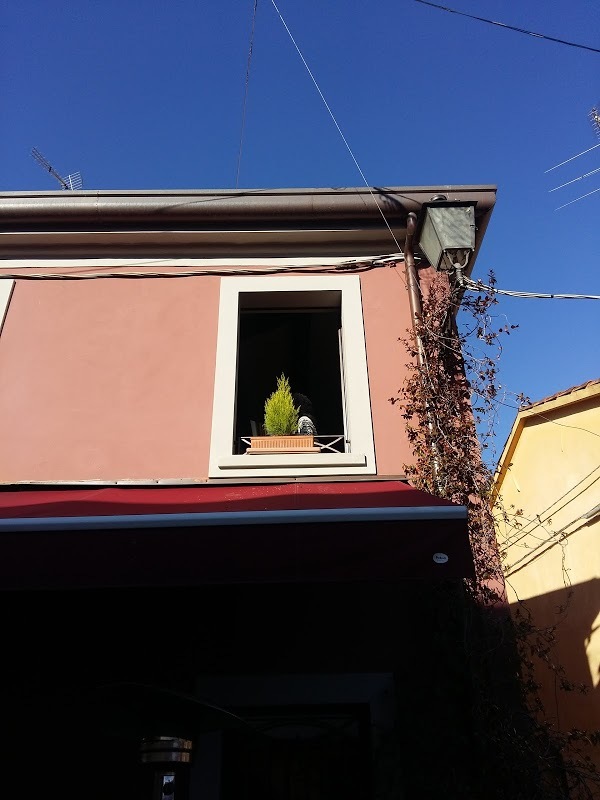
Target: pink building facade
110,377
141,334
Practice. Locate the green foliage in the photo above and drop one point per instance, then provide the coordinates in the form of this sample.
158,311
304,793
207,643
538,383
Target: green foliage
281,415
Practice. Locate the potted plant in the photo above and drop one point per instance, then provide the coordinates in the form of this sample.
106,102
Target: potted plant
281,425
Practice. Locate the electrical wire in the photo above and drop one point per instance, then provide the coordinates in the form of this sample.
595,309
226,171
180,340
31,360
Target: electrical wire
531,406
509,27
355,265
251,48
562,163
564,424
577,198
548,543
477,286
545,516
580,178
335,122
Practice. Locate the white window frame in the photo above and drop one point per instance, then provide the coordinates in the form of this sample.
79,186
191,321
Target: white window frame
361,458
6,290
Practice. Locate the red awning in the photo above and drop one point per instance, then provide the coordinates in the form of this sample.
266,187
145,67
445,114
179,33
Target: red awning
270,533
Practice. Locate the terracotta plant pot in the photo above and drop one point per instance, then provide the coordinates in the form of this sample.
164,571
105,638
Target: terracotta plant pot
294,443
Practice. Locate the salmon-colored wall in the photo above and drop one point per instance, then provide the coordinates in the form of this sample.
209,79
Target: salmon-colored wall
113,379
387,319
107,379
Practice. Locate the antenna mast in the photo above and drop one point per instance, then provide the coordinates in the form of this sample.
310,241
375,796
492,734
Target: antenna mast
595,118
70,183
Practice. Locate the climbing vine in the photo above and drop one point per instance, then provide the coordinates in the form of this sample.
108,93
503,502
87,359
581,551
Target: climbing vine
451,395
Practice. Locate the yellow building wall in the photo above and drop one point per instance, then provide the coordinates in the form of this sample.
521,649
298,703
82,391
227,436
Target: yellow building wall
551,473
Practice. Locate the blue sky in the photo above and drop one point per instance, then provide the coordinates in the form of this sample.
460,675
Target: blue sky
139,94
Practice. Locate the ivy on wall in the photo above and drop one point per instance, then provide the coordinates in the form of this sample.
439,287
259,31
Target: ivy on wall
450,394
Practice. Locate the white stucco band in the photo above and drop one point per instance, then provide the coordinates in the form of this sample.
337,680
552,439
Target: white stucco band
360,460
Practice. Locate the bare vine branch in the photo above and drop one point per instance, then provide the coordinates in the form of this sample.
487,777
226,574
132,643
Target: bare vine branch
458,388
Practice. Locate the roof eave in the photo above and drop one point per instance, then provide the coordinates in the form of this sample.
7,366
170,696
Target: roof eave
265,222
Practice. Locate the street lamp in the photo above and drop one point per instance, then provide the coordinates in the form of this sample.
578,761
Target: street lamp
448,233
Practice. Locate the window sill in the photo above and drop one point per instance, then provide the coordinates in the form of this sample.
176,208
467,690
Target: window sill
293,464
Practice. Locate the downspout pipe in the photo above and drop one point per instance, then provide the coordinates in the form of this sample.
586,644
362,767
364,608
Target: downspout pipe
416,311
412,284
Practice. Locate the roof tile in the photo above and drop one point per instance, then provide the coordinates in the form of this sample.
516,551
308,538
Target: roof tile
564,392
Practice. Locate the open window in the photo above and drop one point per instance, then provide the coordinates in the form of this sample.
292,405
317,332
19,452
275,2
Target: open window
297,334
311,330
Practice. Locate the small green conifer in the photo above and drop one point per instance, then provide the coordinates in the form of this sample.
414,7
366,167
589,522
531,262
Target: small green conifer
281,415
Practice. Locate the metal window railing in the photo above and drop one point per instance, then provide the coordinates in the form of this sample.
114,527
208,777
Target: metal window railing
329,443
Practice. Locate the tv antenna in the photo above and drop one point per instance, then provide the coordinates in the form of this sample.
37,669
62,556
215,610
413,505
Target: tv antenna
594,117
71,183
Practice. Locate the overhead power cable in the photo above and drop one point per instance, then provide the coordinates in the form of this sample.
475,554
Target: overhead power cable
562,163
580,178
335,122
477,286
250,49
510,27
577,198
352,265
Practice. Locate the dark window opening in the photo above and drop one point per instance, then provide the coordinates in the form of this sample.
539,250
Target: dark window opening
305,753
297,334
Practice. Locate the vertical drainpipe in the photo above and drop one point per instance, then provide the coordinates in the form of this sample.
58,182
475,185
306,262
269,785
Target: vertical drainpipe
416,310
412,284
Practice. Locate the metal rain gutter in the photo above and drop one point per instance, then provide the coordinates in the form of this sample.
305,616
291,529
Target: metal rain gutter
211,206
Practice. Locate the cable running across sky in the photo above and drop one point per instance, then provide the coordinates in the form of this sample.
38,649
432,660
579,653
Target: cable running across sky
476,286
562,163
335,122
509,27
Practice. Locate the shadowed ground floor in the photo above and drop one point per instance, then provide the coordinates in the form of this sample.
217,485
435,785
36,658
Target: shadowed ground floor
346,690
